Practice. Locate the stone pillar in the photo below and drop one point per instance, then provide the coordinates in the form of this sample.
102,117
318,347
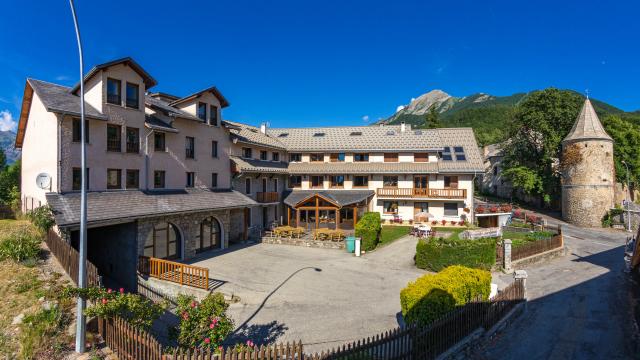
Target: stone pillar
521,275
506,251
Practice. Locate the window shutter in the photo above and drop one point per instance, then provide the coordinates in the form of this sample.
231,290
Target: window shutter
454,182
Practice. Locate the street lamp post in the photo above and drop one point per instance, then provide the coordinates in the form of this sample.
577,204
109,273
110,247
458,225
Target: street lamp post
628,198
82,258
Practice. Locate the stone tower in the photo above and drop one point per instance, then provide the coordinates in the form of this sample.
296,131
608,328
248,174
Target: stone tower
588,172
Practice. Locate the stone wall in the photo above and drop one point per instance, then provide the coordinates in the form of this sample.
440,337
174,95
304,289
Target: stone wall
304,242
189,227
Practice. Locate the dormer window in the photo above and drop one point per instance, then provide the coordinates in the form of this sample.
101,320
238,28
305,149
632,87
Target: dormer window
132,96
202,111
263,155
114,91
361,157
295,157
246,153
213,115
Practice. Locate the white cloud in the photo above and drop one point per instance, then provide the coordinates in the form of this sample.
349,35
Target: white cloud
62,78
399,108
365,118
7,123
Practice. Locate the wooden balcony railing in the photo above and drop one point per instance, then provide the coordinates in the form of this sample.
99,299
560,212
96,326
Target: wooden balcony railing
267,197
422,193
176,272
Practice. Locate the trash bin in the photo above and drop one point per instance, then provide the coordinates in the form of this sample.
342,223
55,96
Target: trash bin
350,241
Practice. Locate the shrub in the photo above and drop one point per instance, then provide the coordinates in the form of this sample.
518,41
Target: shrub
42,217
20,243
433,295
453,223
133,308
436,254
204,324
41,333
434,222
443,222
368,229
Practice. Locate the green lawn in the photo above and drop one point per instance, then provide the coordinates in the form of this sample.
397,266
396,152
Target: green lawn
519,238
391,233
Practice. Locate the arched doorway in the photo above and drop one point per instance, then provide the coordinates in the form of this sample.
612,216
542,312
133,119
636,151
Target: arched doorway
210,235
164,242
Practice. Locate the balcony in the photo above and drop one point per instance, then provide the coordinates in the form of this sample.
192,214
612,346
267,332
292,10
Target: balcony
267,197
409,193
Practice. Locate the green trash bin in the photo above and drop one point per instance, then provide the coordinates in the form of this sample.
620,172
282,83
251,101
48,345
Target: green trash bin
350,241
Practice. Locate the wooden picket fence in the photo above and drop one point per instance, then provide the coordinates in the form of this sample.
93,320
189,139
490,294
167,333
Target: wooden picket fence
536,247
404,343
68,257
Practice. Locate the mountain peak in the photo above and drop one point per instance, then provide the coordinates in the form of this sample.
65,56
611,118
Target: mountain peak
423,103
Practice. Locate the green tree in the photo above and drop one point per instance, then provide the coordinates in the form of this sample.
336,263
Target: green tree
539,124
3,160
432,118
626,141
9,182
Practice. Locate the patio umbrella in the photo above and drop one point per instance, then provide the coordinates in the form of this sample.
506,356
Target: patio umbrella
423,215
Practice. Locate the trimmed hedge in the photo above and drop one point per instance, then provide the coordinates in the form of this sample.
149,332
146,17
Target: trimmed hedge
368,228
433,295
436,254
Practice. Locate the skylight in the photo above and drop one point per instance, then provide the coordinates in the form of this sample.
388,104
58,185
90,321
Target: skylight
417,132
318,134
459,152
446,154
391,132
356,133
283,135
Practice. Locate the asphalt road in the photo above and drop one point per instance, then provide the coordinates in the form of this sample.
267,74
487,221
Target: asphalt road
579,305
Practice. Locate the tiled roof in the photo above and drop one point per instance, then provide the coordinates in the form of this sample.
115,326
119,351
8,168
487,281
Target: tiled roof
153,122
158,104
461,137
340,197
365,138
149,81
362,168
252,135
587,126
261,166
223,102
129,205
58,98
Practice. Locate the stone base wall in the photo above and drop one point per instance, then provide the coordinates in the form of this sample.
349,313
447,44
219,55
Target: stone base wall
189,227
586,205
304,242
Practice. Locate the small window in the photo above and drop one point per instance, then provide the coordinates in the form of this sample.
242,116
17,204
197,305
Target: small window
114,138
450,209
283,135
158,179
360,181
275,184
295,181
275,156
133,179
247,186
133,98
77,131
263,155
246,153
158,142
446,154
390,181
114,179
390,132
296,157
361,157
202,111
390,157
390,207
318,134
191,179
214,149
459,152
421,157
356,133
337,157
317,181
417,132
190,147
316,157
76,181
337,181
213,115
450,182
214,180
114,91
133,140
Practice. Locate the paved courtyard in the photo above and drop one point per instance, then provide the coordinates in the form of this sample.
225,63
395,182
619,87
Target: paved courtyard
320,296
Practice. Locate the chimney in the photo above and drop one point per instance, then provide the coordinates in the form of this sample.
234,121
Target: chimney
263,128
403,127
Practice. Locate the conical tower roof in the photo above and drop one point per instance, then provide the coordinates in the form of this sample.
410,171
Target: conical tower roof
587,126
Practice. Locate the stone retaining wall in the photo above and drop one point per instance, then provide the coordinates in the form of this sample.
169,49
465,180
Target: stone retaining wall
304,242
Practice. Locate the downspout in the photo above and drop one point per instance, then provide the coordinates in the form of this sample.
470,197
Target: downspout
59,154
146,159
472,208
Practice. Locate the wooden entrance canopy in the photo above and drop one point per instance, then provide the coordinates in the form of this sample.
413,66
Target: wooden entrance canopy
326,200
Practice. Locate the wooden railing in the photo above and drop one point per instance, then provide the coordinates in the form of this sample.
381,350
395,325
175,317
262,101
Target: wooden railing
176,272
419,192
68,257
267,197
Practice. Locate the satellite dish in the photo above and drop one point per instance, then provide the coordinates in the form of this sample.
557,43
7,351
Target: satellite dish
43,180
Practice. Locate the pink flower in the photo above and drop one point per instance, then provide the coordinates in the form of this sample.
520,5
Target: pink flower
249,343
185,315
193,304
121,290
207,340
104,301
212,325
214,321
220,347
109,291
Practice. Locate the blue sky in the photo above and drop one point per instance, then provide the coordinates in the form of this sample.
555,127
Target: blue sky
309,63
